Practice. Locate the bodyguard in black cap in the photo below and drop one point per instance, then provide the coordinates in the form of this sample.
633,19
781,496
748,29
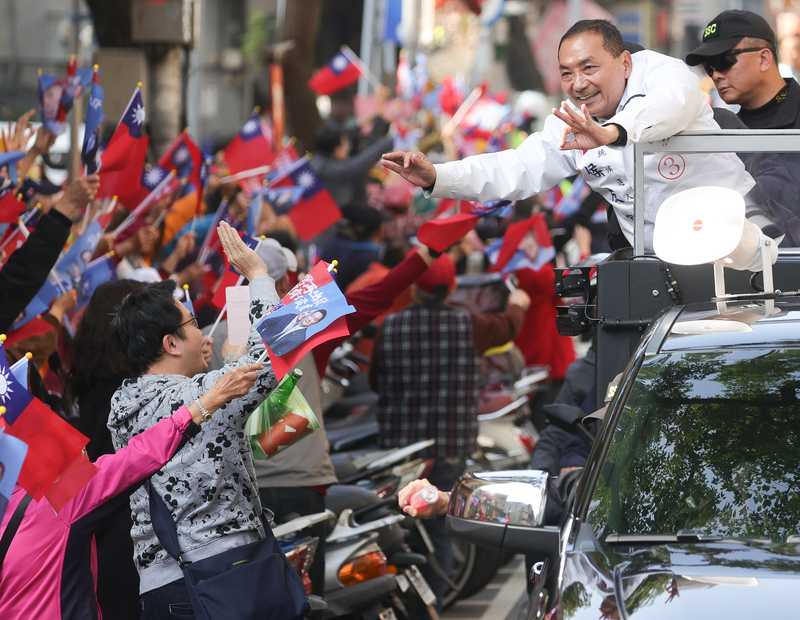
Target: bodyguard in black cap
739,54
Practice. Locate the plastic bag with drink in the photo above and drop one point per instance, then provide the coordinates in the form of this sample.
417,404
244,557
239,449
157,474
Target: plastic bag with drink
282,420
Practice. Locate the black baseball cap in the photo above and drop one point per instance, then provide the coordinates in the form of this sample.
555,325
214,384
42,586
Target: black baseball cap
726,30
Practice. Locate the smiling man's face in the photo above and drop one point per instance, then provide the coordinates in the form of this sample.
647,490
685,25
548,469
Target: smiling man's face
591,76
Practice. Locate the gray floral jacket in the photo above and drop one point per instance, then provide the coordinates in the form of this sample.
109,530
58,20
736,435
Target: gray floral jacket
210,485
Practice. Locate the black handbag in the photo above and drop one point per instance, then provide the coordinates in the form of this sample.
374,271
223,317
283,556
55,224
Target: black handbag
253,581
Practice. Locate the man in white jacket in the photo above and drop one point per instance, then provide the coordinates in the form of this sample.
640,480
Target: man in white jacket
615,98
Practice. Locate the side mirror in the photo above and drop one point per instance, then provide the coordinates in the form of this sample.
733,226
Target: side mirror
504,509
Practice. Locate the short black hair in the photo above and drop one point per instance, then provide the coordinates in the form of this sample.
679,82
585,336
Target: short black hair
327,137
612,39
143,319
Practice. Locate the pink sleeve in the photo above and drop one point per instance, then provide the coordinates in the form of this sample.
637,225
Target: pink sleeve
144,455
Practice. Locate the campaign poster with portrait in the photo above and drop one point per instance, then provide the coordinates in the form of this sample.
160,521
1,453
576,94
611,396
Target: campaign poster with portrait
311,313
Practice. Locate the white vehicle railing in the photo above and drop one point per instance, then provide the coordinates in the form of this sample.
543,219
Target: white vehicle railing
723,140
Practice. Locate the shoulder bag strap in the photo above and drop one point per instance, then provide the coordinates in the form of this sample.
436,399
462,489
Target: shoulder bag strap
13,526
163,525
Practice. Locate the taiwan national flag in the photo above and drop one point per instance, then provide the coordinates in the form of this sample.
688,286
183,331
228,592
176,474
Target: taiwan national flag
155,183
339,73
124,157
54,446
248,150
316,210
186,158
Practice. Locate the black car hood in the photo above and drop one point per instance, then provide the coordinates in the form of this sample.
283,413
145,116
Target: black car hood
685,581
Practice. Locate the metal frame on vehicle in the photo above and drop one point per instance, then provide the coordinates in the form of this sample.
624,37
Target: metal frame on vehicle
723,140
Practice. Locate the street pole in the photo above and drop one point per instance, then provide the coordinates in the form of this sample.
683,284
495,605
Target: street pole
573,12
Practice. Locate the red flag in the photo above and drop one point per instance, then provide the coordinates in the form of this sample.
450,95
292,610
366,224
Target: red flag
440,234
123,159
74,478
11,207
339,73
249,149
186,158
316,210
35,327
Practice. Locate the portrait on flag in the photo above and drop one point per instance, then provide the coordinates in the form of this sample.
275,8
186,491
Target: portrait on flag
312,312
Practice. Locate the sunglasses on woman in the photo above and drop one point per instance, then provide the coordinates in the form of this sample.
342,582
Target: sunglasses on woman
723,62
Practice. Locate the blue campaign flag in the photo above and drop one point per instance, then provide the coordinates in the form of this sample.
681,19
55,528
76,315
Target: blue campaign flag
80,254
519,260
254,212
496,208
20,370
394,16
34,308
91,137
294,323
97,272
9,161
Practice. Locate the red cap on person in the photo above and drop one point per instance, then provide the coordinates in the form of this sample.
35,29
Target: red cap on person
441,271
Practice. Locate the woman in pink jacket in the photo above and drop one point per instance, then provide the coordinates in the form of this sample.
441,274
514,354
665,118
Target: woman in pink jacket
49,570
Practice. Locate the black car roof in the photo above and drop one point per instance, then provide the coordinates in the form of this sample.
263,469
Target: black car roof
711,326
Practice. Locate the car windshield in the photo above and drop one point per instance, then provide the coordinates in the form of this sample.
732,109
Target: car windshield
707,441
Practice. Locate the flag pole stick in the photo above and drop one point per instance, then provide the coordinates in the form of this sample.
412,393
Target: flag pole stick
362,68
462,111
263,356
216,324
246,174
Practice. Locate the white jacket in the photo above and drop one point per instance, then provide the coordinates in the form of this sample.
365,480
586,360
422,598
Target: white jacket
662,97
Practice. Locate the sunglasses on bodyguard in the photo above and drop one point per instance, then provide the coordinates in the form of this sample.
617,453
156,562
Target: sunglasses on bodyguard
723,62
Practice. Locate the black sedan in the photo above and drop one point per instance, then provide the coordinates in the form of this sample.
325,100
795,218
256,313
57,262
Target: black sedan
689,505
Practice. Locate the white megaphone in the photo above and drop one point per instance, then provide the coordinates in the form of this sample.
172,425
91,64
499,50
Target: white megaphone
708,225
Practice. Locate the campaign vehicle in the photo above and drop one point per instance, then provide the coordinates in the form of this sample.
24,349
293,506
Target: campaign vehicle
689,506
689,503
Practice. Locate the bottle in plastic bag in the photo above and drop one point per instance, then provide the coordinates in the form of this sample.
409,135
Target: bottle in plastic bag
278,400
